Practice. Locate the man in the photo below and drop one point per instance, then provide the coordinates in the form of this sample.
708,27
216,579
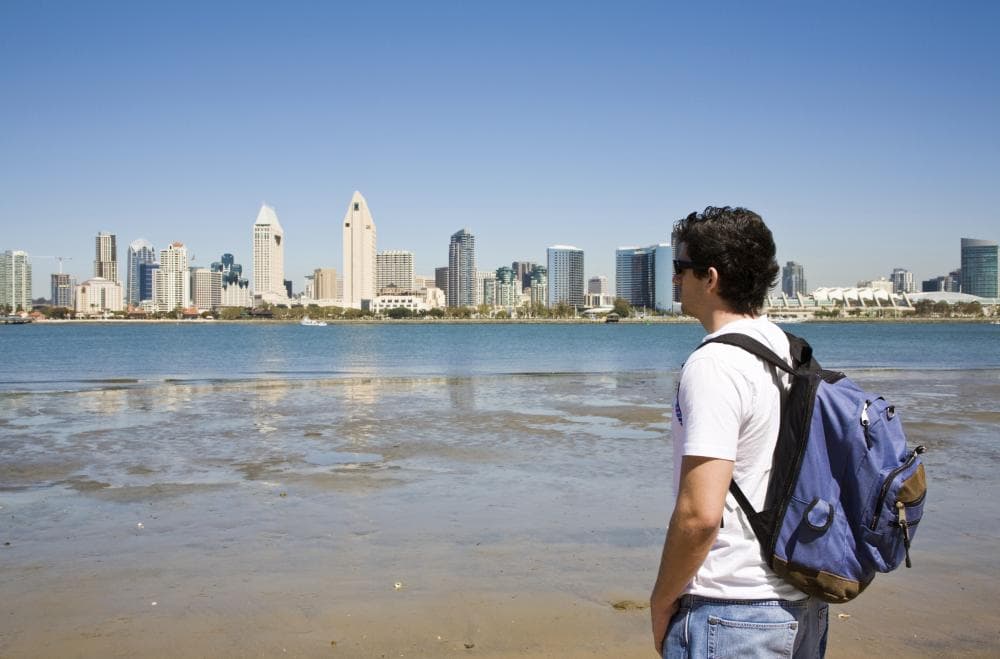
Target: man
714,594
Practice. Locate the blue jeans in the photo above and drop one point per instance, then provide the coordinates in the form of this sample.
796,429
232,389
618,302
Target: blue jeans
710,628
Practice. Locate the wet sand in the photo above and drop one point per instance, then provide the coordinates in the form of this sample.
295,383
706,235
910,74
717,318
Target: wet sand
506,516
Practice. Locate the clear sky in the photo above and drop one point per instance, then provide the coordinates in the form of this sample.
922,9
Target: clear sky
866,134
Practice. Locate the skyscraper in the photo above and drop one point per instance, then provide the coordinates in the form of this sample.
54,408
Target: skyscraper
15,280
462,269
793,279
597,285
508,287
172,280
62,290
644,276
565,274
139,252
325,284
441,279
206,289
268,256
979,267
147,271
539,286
522,270
394,267
902,281
359,253
106,256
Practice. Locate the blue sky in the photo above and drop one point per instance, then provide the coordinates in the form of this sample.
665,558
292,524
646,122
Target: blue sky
866,134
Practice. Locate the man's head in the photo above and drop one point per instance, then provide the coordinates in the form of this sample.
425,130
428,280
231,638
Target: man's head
738,245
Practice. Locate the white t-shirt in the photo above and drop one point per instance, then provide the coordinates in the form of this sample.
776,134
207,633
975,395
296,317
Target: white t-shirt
728,406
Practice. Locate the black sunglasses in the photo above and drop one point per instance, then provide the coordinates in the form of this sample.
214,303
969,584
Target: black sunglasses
680,266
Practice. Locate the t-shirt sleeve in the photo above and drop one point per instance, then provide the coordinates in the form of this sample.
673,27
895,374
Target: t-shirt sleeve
710,397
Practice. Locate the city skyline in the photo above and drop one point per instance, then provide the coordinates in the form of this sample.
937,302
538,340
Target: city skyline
864,136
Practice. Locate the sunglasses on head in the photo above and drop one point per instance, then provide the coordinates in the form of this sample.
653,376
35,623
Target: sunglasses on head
681,265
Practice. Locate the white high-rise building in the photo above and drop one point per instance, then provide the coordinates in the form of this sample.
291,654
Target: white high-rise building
565,275
15,280
206,289
268,257
172,281
106,256
139,252
359,253
394,267
486,288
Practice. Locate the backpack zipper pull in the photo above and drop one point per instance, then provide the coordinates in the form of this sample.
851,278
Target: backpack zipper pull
903,524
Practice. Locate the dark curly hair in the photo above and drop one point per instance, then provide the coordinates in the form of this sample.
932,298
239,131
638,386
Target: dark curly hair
737,243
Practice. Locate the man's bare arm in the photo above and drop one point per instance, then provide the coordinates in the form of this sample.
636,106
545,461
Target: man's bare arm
693,525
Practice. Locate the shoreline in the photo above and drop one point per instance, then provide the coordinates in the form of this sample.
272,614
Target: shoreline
656,320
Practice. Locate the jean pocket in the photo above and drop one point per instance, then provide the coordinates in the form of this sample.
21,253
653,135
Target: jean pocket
735,638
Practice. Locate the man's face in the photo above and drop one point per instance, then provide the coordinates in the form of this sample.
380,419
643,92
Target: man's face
688,283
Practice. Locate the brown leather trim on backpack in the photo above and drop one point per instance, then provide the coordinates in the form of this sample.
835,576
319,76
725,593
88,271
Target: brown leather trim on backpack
827,587
913,488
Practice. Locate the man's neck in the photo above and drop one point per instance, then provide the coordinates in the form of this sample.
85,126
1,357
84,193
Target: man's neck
716,319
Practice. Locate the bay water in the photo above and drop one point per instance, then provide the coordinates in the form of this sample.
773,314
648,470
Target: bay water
224,470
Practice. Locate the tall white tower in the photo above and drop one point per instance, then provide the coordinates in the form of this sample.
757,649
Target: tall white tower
359,253
268,256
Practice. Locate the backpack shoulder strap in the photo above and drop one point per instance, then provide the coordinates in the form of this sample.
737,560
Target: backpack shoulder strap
752,346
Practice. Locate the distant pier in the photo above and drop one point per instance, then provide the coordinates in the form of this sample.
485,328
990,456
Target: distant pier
14,320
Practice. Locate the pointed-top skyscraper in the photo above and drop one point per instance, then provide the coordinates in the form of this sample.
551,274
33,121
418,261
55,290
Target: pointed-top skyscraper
359,252
268,256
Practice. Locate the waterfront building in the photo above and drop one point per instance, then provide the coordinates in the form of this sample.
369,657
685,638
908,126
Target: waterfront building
565,275
793,279
392,298
597,285
539,286
979,268
522,270
394,267
486,288
902,281
146,274
461,290
359,253
644,276
269,257
98,296
106,256
236,290
172,280
62,290
508,287
288,288
206,289
441,279
139,252
324,284
15,280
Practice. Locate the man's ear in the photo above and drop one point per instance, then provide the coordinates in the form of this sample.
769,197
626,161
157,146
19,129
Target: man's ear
712,280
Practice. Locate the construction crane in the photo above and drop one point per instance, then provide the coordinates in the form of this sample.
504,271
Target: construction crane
57,258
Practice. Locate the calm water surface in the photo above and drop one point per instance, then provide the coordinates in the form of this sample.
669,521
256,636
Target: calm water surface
212,463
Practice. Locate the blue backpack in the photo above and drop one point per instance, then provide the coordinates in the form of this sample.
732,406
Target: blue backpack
845,495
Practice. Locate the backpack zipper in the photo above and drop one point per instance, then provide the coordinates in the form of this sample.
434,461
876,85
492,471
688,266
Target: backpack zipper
888,483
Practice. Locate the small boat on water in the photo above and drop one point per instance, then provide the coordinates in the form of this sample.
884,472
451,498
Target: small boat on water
309,322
